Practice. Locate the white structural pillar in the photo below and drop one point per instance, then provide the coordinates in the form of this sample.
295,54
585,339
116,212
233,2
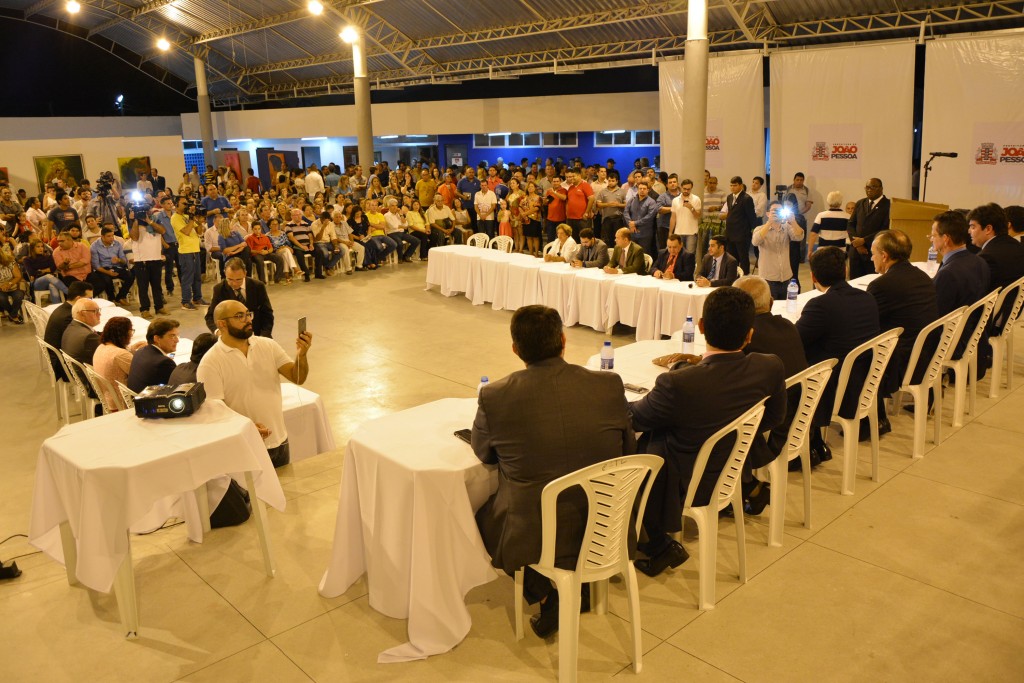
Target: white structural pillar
205,117
364,121
695,91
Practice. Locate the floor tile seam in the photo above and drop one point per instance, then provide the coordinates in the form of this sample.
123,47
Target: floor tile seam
918,580
701,659
294,663
965,490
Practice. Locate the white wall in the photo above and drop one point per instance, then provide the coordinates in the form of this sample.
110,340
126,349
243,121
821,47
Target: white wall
632,111
99,139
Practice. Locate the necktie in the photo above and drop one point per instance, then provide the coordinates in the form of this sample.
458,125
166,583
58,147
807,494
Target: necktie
671,263
622,257
238,295
714,269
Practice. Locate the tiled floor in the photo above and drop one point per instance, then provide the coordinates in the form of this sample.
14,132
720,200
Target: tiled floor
916,577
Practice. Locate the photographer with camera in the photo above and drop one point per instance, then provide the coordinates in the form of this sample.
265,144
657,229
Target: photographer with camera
773,239
104,205
187,226
170,241
147,244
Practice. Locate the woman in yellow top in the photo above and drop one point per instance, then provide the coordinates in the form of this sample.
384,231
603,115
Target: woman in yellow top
418,224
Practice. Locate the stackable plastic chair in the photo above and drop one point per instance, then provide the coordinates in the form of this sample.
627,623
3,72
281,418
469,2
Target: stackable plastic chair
30,311
1001,340
77,373
965,368
612,487
881,348
812,383
501,243
727,492
127,395
61,389
932,378
478,239
648,262
110,398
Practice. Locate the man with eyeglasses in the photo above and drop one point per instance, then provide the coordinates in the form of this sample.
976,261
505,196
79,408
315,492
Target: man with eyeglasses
80,338
870,216
242,370
250,292
153,363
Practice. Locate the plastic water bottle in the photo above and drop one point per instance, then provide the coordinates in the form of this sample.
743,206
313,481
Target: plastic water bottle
483,383
688,335
607,356
933,259
792,291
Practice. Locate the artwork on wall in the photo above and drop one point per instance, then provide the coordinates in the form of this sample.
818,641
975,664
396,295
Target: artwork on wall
234,161
129,169
68,169
5,177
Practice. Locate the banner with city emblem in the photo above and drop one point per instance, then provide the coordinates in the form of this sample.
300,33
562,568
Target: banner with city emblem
834,150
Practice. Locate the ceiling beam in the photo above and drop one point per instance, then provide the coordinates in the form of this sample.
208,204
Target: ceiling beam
740,18
272,21
131,15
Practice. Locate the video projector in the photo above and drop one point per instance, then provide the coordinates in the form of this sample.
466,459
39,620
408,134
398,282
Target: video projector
162,400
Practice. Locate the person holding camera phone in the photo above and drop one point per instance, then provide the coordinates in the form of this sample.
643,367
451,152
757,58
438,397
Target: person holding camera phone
187,227
773,239
148,247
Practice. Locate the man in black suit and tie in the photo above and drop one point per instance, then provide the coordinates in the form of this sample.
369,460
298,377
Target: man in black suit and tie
740,221
963,278
693,401
237,287
830,326
159,182
870,216
718,269
1003,254
627,256
151,364
59,320
906,298
673,263
537,425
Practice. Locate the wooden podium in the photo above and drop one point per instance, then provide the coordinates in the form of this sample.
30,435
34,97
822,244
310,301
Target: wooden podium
915,219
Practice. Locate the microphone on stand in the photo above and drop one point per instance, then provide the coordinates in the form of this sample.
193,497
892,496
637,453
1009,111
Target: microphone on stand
951,155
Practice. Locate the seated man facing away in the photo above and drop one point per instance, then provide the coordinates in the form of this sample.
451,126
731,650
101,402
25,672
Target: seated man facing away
80,339
61,317
673,263
962,279
539,424
831,326
151,364
693,401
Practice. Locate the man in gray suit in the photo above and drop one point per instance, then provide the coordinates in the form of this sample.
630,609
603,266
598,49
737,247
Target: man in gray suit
80,339
539,424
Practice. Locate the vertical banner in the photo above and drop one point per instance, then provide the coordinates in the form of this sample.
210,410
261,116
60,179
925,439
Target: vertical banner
841,115
973,107
735,128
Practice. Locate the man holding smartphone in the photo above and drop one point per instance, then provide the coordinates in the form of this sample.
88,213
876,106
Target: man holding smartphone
242,370
685,218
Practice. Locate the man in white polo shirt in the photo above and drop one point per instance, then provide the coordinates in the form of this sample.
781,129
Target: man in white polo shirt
242,370
686,216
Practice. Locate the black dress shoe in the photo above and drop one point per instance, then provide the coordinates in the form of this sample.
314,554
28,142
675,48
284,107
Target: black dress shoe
673,555
545,622
865,429
758,499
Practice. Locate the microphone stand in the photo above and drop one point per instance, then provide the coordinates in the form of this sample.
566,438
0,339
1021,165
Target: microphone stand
927,168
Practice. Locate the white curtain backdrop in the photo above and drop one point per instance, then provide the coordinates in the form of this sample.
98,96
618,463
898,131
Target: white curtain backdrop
735,134
974,106
842,115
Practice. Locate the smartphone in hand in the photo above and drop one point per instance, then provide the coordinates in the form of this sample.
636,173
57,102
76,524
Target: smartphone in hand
302,325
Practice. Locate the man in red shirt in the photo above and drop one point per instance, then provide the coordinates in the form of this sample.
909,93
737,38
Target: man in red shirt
579,203
252,183
555,197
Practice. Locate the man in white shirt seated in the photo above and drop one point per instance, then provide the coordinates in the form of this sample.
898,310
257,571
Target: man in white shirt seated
441,222
242,370
396,228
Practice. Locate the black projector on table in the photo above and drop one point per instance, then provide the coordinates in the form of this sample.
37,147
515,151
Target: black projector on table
162,400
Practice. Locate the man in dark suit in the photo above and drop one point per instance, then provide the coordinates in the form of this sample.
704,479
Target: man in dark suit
830,326
539,424
740,221
237,287
628,256
59,320
593,253
159,182
80,340
962,279
718,269
1003,254
870,216
673,263
693,401
776,335
151,364
906,298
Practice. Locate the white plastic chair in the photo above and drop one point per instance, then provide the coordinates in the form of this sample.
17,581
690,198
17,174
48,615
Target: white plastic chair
881,348
648,262
76,371
1002,343
30,311
611,487
931,379
812,383
61,389
110,398
727,492
478,239
501,243
966,367
127,395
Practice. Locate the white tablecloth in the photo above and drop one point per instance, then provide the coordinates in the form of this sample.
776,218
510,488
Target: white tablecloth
634,301
409,490
309,432
556,283
678,300
633,361
522,287
103,475
590,295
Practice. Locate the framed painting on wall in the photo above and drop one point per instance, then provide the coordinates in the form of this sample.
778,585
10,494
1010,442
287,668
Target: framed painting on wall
129,169
5,177
67,169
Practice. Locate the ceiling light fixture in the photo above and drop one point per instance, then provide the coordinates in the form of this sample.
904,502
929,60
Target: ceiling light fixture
72,7
163,44
315,7
349,34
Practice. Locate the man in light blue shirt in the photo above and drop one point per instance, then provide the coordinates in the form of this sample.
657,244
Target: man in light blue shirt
163,217
108,264
639,216
215,205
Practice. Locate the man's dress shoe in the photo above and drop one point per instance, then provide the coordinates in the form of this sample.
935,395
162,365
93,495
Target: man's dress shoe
673,555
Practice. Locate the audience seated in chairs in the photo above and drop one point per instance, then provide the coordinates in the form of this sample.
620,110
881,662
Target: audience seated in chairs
42,271
109,263
10,287
261,250
236,286
282,248
232,245
72,258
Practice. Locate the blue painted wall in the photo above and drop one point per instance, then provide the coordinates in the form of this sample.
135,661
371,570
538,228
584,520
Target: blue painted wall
624,156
